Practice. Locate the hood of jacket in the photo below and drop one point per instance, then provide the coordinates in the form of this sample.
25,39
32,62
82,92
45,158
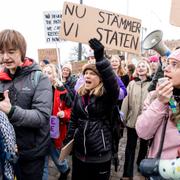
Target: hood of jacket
27,67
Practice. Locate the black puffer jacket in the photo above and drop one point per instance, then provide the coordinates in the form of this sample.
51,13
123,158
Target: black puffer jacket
32,109
90,125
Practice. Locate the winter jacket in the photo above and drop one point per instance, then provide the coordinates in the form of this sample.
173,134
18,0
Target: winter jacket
90,124
133,102
150,123
31,109
61,102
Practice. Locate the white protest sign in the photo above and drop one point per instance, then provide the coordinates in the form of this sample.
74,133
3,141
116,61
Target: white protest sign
52,23
80,23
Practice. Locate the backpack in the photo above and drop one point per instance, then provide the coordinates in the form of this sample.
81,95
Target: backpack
8,156
117,128
35,77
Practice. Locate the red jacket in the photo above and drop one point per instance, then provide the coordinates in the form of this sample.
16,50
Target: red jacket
60,98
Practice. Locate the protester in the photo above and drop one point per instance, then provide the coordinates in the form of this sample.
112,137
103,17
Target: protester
27,104
130,71
90,119
68,79
80,80
132,107
154,62
116,65
43,62
161,102
61,110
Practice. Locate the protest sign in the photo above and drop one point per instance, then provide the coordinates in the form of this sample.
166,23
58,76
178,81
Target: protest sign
48,53
52,22
80,23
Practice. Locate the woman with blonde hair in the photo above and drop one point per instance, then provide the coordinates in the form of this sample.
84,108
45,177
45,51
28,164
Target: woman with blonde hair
118,69
90,123
62,110
132,107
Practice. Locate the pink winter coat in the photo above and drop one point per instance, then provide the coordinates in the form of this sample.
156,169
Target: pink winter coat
149,124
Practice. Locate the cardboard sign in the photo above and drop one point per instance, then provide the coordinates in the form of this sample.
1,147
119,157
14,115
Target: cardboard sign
80,23
52,22
49,53
174,15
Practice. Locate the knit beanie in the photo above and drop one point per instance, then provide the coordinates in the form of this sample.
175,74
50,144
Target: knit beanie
67,65
153,59
175,55
90,67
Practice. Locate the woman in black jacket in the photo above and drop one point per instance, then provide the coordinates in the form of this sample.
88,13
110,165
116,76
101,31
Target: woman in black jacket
90,123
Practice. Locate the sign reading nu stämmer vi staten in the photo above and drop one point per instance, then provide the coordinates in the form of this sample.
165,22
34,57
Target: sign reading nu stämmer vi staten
80,23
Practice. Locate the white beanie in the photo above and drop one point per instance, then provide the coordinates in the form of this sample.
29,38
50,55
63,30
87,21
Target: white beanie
67,65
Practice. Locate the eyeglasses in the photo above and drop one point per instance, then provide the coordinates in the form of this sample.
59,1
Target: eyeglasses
172,64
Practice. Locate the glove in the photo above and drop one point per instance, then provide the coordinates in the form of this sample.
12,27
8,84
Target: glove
98,49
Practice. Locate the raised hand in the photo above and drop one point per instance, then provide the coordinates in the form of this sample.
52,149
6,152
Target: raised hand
98,49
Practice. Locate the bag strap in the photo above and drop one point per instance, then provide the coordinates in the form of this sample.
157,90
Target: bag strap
158,155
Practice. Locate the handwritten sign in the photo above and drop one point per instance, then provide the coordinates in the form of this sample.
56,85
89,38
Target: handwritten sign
81,23
48,53
52,22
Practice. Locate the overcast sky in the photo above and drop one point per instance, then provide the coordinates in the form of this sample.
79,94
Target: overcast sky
26,16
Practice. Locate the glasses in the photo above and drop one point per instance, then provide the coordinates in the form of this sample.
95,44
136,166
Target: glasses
173,65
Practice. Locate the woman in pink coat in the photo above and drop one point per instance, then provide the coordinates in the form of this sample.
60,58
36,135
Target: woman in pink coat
160,103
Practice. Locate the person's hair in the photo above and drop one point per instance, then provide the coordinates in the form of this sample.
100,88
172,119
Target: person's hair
147,65
97,91
13,39
53,69
120,71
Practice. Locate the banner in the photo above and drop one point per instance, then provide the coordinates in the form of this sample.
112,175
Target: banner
80,23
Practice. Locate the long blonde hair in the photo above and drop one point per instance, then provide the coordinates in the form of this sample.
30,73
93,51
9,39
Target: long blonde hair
97,91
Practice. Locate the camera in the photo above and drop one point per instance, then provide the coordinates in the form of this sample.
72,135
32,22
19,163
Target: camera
165,168
149,167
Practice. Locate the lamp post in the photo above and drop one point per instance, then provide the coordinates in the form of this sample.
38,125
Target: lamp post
80,44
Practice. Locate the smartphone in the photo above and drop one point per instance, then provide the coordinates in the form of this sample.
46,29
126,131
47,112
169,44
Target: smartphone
2,96
161,80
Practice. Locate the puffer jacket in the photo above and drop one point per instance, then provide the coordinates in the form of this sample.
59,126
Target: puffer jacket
31,109
90,125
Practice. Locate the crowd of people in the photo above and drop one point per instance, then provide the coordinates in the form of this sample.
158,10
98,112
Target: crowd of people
47,107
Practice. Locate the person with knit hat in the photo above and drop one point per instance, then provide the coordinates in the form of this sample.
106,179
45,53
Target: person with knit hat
164,101
68,79
154,62
91,119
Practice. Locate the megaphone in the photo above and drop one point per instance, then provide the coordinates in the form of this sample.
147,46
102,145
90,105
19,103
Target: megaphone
154,41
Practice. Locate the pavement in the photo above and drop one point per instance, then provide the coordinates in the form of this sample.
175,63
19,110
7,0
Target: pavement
54,174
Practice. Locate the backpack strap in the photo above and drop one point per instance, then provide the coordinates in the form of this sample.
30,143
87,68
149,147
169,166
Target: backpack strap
35,77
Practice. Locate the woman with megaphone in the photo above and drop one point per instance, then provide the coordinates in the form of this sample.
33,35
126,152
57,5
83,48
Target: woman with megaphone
164,101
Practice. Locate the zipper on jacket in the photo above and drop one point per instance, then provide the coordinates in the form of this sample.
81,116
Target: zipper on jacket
103,139
84,134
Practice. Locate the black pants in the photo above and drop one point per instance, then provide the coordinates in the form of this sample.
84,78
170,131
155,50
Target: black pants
30,170
90,171
130,151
